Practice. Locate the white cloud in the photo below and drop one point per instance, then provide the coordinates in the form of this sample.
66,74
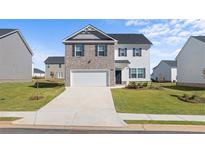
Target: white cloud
168,35
136,22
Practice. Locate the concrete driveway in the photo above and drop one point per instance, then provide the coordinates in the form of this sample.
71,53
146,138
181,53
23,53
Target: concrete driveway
78,106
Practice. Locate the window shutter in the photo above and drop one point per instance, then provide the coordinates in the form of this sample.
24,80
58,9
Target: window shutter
125,51
119,52
144,73
82,53
96,50
140,52
73,50
105,54
129,72
133,52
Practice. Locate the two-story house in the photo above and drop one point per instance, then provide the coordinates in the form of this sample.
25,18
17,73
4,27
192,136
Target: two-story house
15,57
94,58
54,68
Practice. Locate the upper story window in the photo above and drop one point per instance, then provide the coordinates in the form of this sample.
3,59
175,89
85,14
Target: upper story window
137,52
78,50
137,72
48,66
101,50
59,65
122,52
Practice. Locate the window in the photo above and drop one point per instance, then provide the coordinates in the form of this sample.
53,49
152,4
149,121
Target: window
48,66
59,65
133,73
101,50
137,52
137,73
59,75
122,52
78,50
141,73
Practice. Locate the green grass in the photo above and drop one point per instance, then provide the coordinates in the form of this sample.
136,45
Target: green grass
164,122
9,118
16,96
163,101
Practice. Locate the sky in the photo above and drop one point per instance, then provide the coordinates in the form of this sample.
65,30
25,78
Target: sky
45,36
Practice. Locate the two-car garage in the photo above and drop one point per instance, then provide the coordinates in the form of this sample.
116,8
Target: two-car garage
89,78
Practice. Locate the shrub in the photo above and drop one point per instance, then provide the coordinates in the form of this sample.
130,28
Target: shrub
132,85
145,84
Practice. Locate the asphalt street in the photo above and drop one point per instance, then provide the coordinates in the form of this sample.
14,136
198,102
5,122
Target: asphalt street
80,131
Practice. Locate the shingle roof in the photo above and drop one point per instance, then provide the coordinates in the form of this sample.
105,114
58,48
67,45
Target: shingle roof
6,31
201,38
122,61
54,60
130,38
36,70
171,63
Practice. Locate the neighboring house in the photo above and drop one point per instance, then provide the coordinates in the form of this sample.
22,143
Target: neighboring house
54,68
94,58
15,57
165,71
37,73
191,63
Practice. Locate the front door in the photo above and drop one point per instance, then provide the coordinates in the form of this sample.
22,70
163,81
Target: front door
118,74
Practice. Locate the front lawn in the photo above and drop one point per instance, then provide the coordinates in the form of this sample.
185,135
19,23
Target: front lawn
9,118
163,101
164,122
17,96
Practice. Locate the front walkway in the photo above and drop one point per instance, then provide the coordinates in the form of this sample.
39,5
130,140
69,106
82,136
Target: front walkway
162,117
76,106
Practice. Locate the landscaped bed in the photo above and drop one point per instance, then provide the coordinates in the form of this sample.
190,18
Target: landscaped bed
18,96
164,122
163,100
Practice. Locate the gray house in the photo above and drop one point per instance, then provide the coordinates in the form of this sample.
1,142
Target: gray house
95,58
15,57
165,71
191,63
54,68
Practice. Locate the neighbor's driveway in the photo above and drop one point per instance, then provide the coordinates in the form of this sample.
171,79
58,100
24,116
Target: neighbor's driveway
78,106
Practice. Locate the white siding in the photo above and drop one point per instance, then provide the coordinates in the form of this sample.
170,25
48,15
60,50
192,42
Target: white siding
15,59
191,62
135,62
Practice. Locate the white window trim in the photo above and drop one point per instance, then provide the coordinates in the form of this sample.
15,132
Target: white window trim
138,49
124,51
98,47
75,47
137,75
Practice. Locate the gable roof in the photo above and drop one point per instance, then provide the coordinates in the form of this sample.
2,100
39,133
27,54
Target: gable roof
4,32
55,60
201,38
7,32
171,63
87,28
36,70
130,38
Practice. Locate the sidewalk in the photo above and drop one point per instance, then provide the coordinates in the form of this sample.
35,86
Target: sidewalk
162,117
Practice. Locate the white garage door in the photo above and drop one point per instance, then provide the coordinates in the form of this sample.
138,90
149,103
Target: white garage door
89,78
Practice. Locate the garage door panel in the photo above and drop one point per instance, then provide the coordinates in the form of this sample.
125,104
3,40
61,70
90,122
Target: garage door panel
89,78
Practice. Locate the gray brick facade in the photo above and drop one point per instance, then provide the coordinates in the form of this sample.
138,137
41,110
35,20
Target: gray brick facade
90,61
